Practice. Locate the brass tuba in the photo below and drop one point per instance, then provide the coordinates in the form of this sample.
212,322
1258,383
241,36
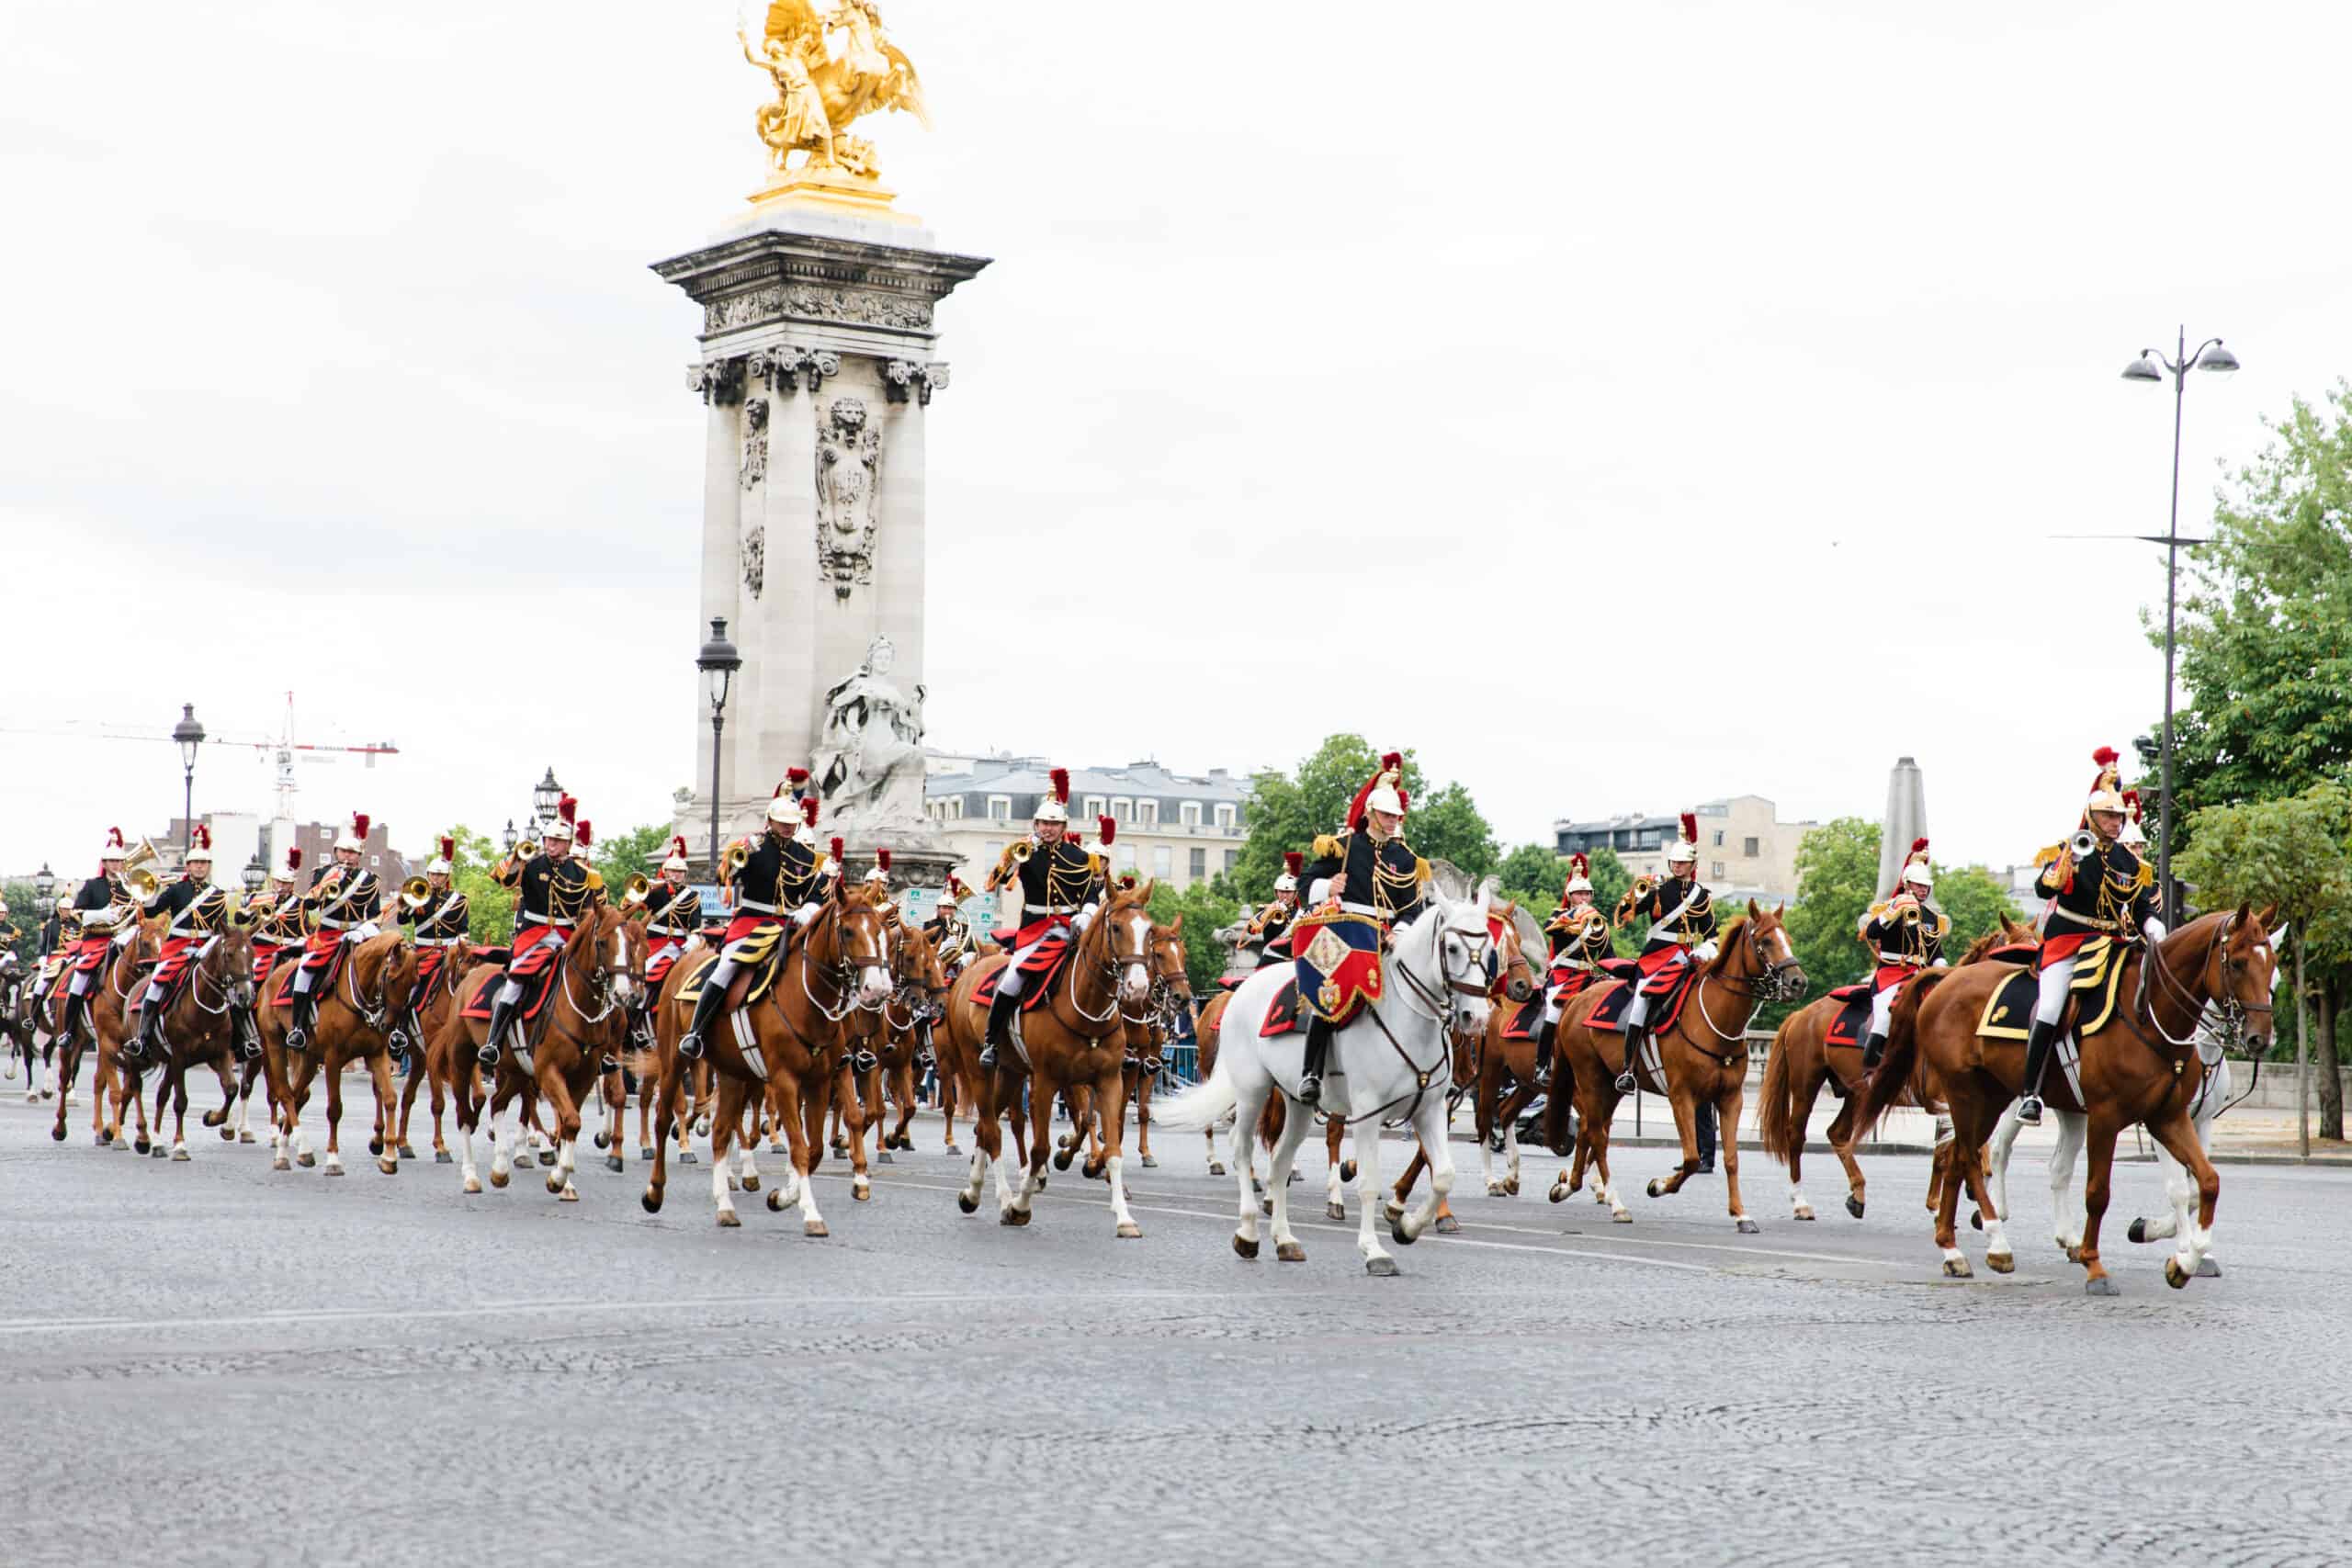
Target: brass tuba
139,878
414,892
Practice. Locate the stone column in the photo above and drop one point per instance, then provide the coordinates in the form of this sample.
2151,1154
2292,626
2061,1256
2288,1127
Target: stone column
720,382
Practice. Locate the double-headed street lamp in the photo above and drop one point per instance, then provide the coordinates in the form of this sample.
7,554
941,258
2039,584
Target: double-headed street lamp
719,660
188,735
2153,367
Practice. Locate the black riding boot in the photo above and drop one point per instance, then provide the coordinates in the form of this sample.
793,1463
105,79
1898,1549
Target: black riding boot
502,1018
1704,1132
298,1028
1626,1082
74,1007
1544,1031
706,1006
2036,1062
135,1045
999,1031
1873,1048
1318,1052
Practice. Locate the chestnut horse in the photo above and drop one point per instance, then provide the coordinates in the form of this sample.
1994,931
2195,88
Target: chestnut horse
560,1062
1073,1039
1703,1055
432,1055
892,1034
1149,1024
1801,1061
107,1015
2140,1066
354,1022
203,1025
840,964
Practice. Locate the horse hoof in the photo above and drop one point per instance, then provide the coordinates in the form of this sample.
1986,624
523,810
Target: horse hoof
1854,1207
603,1140
645,1152
776,1145
1976,1220
1957,1269
815,1228
1092,1169
1266,1206
2139,1231
554,1182
861,1191
473,1189
407,1151
306,1160
139,1145
1130,1231
729,1219
1746,1226
841,1146
1655,1186
752,1183
615,1164
2073,1250
334,1170
442,1157
1061,1159
1149,1163
1448,1225
687,1156
498,1178
1011,1217
2207,1270
2175,1275
388,1167
244,1137
1380,1268
1289,1252
702,1126
1244,1247
652,1203
1559,1192
159,1151
375,1145
228,1134
2001,1262
280,1164
776,1201
1494,1189
967,1202
1215,1169
1347,1170
179,1154
1399,1234
1803,1214
1335,1211
569,1195
1510,1188
951,1149
57,1134
1622,1216
2100,1285
1041,1182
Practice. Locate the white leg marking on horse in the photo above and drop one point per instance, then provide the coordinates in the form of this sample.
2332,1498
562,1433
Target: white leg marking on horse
1368,1194
1115,1169
2067,1210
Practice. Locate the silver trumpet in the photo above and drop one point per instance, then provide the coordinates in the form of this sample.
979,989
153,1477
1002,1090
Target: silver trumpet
2084,844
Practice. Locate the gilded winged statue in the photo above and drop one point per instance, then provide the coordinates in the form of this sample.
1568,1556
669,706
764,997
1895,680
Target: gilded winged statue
820,94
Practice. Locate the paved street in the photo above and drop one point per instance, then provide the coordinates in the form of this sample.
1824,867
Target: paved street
207,1362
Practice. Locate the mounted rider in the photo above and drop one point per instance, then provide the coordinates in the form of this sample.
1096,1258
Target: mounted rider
1907,932
777,885
343,901
278,915
672,916
198,911
1060,889
1682,913
438,922
2096,886
1365,883
1578,935
1268,939
552,890
100,905
949,931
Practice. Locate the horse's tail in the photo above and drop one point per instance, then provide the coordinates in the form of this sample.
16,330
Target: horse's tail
1885,1086
1776,1112
1557,1103
1200,1106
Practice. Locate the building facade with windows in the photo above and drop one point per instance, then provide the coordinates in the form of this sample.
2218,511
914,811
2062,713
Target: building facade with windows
1745,849
1178,829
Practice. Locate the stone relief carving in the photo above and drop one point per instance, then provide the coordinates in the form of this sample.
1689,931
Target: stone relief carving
864,307
849,456
718,381
755,442
902,376
784,365
755,558
868,761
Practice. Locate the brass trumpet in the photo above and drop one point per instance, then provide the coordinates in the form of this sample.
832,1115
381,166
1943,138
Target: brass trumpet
414,892
2084,844
1641,889
1019,850
527,849
738,856
243,915
634,891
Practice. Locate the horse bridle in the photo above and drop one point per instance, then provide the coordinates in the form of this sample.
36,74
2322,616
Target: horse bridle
839,974
1772,985
2229,1014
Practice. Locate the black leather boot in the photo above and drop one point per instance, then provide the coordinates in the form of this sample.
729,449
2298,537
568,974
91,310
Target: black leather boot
706,1006
999,1031
74,1007
1318,1054
136,1044
1544,1031
1626,1082
298,1028
2036,1062
1873,1048
502,1018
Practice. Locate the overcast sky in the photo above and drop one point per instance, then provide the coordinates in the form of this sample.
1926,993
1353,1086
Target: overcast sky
1623,405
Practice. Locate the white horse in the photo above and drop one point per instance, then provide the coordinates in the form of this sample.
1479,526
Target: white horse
1391,1061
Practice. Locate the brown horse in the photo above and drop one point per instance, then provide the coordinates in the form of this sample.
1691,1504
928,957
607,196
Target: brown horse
1801,1061
840,964
1073,1040
431,1057
1703,1056
892,1034
2139,1065
107,1016
560,1061
202,1027
367,993
1148,1025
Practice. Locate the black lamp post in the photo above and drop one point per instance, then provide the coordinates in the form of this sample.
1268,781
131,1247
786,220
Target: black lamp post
255,876
188,735
2152,367
545,799
510,838
719,660
44,880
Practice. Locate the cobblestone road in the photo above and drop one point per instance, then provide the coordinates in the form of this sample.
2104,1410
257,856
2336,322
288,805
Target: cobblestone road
209,1362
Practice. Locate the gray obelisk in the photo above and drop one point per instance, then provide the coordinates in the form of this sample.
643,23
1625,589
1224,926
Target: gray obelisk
1907,818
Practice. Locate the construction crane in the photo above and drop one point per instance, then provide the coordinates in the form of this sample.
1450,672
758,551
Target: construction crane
283,750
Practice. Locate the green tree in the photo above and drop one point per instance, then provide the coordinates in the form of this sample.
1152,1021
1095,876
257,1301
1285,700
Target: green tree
1205,911
1287,812
490,908
2296,852
20,932
1975,900
1532,874
1837,881
633,853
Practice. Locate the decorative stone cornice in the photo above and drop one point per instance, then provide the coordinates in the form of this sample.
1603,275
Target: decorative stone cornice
780,276
900,377
783,366
719,381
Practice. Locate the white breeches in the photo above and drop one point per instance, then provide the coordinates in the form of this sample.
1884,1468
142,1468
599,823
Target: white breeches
1008,984
1883,1009
1637,1012
2051,1005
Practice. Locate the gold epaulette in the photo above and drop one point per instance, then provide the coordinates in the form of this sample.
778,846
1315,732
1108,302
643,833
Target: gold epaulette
1878,910
1327,846
2147,878
2048,856
816,862
1420,871
595,880
1093,862
1943,925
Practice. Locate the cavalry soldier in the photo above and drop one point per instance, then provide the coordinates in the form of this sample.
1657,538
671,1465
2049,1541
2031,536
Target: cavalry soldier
277,912
1060,893
949,931
552,890
1268,933
438,922
777,884
343,899
2096,886
198,910
1578,936
1682,931
672,915
99,905
1908,934
1369,872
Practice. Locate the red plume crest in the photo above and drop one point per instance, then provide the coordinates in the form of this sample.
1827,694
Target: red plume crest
1109,829
2106,757
568,808
1579,865
808,809
294,857
448,847
587,835
678,846
837,851
1691,827
1919,846
1294,862
1061,784
114,836
359,826
882,859
796,777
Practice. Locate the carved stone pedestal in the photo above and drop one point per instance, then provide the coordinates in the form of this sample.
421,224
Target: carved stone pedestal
819,362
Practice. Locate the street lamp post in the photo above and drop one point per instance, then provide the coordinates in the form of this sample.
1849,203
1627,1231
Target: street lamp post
545,799
188,735
718,660
254,876
510,838
44,881
2152,367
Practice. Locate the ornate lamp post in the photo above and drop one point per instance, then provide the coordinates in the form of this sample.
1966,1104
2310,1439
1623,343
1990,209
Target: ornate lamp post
188,735
510,838
254,876
2152,367
44,881
545,799
719,660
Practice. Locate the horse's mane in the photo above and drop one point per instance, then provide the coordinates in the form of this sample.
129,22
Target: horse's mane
1724,944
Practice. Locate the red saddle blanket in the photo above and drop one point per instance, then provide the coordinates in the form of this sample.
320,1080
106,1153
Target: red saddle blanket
534,1001
1608,1014
1853,1020
1525,1016
1285,1015
322,956
1044,966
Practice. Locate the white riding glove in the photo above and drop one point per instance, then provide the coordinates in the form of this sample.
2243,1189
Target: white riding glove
1705,952
803,915
2153,929
1085,918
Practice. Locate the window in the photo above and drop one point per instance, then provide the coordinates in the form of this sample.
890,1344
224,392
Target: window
1232,859
1162,861
1719,837
1715,870
1753,847
1122,808
1126,857
1225,813
1189,814
1094,805
1147,813
1000,808
1200,864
